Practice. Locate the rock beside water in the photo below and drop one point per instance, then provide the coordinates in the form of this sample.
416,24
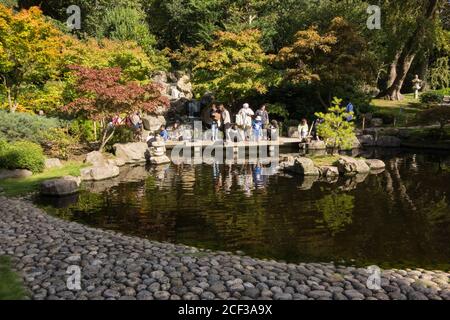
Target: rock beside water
53,163
300,165
375,164
15,174
132,153
350,166
99,173
61,187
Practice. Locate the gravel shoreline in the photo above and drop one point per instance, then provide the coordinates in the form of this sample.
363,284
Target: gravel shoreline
118,267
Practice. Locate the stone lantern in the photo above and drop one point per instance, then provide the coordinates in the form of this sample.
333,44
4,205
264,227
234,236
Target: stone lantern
417,86
158,152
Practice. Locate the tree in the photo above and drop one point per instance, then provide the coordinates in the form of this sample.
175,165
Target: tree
411,43
127,24
102,95
335,129
178,23
440,74
92,12
128,55
297,59
234,67
30,49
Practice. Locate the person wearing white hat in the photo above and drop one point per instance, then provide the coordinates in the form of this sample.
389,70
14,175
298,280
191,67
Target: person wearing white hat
244,121
257,129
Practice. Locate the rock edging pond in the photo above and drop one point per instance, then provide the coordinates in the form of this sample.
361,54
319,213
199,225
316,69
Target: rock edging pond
114,266
336,166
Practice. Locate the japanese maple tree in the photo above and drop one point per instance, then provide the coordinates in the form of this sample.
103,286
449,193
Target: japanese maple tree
102,95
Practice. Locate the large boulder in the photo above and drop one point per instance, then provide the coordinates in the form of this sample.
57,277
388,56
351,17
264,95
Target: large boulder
184,85
377,122
350,166
61,187
98,173
317,145
53,163
160,76
329,171
367,140
375,164
131,152
300,165
153,123
116,162
15,174
95,158
388,142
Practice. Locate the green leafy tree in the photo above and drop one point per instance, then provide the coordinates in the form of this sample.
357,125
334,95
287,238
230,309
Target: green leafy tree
127,24
178,23
234,67
30,49
411,31
440,74
336,130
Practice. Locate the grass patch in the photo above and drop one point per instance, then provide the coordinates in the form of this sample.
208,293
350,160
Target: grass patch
407,103
324,161
398,113
11,287
16,187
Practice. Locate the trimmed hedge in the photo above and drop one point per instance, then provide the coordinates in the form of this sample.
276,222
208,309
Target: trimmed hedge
22,155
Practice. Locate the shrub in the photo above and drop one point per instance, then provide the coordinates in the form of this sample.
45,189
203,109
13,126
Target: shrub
22,155
335,129
23,126
50,133
58,143
434,97
83,130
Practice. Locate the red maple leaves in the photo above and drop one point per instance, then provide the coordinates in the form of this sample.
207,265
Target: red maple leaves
102,94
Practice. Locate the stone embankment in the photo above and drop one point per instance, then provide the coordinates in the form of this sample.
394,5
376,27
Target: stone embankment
114,266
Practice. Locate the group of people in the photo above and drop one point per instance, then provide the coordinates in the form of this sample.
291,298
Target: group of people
249,125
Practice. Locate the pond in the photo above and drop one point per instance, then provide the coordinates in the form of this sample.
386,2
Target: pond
399,218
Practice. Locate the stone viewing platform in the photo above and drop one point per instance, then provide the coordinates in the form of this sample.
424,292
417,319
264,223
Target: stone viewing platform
283,141
117,267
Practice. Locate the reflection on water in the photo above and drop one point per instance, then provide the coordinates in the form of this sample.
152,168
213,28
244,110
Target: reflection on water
399,217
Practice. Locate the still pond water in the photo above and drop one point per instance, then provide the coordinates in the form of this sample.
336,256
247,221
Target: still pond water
399,218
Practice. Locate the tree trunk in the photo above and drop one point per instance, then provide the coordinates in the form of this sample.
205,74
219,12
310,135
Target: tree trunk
12,101
394,91
106,138
319,96
393,69
95,131
409,51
